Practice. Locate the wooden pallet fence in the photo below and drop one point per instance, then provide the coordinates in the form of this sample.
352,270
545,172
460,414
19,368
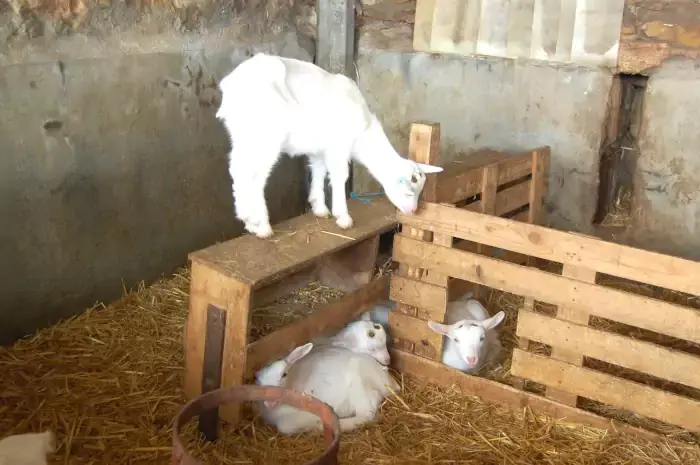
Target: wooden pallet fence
577,297
499,183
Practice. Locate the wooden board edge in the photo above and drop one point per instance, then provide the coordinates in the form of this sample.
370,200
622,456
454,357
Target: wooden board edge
428,371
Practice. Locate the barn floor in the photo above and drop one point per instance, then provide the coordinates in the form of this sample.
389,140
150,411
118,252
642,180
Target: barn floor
108,382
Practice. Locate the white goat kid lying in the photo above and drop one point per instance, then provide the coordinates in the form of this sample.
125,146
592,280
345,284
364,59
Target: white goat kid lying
363,337
379,313
353,384
272,104
472,340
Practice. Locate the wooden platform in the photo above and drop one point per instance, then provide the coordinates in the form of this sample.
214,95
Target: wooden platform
231,278
297,243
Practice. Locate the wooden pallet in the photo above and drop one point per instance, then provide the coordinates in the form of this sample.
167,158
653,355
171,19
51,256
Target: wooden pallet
577,297
505,184
231,278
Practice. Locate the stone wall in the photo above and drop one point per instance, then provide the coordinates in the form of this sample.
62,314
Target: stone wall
113,166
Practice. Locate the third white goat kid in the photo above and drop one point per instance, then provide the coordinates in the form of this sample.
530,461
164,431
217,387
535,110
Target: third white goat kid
353,384
363,337
272,104
471,340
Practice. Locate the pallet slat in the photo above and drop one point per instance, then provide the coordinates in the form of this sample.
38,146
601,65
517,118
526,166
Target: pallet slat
427,297
452,188
408,328
627,352
430,371
507,200
634,310
635,397
605,257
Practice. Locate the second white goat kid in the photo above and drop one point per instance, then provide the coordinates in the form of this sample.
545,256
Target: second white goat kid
272,105
352,384
363,337
471,340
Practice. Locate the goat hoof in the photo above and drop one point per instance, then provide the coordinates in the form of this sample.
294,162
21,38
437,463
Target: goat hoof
322,212
344,222
263,232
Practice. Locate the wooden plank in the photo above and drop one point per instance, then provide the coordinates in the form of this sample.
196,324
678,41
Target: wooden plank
558,246
429,371
573,315
489,188
631,309
507,200
297,243
427,297
211,372
631,353
454,187
538,187
423,27
238,306
330,318
209,287
601,387
351,268
413,329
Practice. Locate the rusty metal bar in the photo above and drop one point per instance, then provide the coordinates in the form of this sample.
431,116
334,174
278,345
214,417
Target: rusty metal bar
211,368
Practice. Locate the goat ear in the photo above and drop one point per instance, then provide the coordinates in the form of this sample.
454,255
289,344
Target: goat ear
365,317
439,328
427,169
299,353
494,321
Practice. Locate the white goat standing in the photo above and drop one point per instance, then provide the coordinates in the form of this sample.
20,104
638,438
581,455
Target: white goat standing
353,384
471,340
272,104
363,337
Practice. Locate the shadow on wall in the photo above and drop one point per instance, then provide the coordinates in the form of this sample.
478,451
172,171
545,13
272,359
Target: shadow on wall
112,171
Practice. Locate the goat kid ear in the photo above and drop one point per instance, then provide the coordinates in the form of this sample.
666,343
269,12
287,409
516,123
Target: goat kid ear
494,321
439,328
299,353
427,169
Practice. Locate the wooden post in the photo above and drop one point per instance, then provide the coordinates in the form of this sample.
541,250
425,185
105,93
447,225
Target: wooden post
574,316
211,289
489,189
424,147
535,215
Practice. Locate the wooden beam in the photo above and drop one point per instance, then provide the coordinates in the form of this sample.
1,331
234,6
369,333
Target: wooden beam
601,387
335,44
549,244
427,297
624,307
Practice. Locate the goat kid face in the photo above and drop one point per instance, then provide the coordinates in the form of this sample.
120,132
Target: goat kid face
468,336
369,338
405,190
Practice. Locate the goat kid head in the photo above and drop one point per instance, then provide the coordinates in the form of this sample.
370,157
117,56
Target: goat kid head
468,336
366,337
408,184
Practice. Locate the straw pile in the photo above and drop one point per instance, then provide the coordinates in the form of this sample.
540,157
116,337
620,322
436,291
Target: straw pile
108,382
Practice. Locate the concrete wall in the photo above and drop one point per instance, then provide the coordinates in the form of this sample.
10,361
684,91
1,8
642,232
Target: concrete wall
666,209
113,167
501,104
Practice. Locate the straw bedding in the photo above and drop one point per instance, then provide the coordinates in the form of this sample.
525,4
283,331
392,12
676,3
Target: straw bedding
108,382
